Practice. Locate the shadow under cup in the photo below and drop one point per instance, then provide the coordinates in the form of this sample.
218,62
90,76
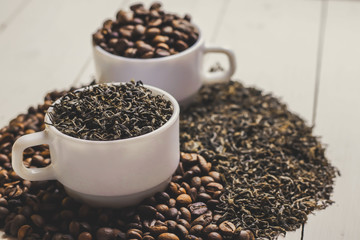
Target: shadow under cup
181,74
107,173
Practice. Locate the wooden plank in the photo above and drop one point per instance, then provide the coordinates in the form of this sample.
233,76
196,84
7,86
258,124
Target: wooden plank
44,49
205,17
337,121
275,43
9,9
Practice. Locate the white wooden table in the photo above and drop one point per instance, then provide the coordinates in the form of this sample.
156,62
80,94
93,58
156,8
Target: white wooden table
307,52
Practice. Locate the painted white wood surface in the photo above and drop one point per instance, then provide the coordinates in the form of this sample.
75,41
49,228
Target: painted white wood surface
275,42
337,121
9,10
39,52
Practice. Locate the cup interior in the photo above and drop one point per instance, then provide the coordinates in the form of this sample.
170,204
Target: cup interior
155,91
196,45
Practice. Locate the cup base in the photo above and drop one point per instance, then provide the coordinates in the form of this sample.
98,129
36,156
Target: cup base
116,201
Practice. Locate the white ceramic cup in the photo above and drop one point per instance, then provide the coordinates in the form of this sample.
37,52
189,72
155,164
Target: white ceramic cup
181,74
106,173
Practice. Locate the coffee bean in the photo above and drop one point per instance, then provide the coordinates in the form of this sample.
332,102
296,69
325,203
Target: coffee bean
162,208
198,208
162,197
180,45
205,180
3,212
104,233
130,52
185,213
214,236
172,213
203,219
157,230
183,222
214,187
245,235
183,200
153,26
85,236
171,225
196,229
168,236
205,168
148,237
215,175
24,231
37,220
193,194
74,228
16,223
204,197
181,231
147,210
227,228
172,202
210,228
139,30
155,6
136,6
152,32
212,203
163,46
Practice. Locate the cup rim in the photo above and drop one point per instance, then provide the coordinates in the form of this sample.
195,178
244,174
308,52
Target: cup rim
174,117
196,45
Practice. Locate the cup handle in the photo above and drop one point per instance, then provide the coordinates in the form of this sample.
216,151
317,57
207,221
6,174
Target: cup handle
32,174
220,76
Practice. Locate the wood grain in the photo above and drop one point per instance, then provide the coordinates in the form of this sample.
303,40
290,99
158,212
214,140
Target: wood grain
338,119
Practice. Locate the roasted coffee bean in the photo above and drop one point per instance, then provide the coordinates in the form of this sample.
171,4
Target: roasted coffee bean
16,223
198,208
204,197
183,222
195,182
193,194
171,224
85,236
205,180
204,219
162,197
74,228
168,236
245,235
3,212
157,230
185,214
183,200
172,213
162,208
227,228
153,26
148,237
172,202
24,231
147,210
130,52
105,233
210,228
196,229
181,231
215,175
161,52
212,203
214,187
214,236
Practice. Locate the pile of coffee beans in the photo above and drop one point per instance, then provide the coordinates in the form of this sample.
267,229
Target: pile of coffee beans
42,210
110,112
146,33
